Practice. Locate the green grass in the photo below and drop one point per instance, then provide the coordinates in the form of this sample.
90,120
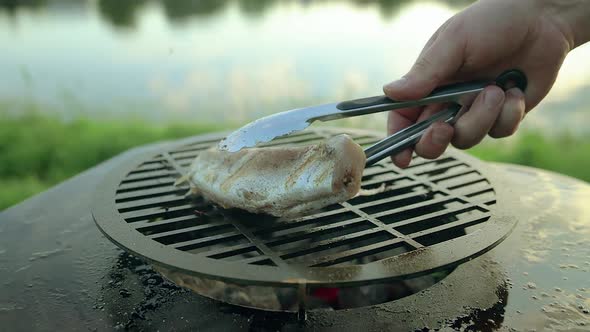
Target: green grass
38,151
563,153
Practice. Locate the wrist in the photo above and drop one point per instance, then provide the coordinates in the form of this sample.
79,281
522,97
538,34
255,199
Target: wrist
572,17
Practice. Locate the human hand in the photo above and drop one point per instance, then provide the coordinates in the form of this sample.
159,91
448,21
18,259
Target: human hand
480,42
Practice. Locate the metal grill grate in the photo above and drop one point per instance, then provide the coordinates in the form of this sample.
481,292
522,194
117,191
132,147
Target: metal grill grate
433,202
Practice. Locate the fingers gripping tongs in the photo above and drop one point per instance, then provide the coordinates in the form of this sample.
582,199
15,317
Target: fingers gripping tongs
459,95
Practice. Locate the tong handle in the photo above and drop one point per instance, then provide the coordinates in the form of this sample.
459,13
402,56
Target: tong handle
461,93
408,136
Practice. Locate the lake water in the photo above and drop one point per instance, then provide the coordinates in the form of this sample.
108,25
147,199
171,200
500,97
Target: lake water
230,60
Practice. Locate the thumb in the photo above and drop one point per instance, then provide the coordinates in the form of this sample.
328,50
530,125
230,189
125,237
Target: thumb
435,65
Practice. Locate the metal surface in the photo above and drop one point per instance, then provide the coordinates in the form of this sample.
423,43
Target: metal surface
432,216
58,273
288,122
302,300
408,136
285,123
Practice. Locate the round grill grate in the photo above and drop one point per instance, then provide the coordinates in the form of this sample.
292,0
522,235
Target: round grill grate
431,216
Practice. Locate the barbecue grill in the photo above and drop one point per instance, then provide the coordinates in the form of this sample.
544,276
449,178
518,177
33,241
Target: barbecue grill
414,224
413,251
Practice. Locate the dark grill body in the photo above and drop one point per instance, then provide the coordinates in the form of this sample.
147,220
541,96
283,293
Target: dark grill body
57,271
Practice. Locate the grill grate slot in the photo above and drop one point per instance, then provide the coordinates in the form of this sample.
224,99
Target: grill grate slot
179,234
406,187
462,181
306,226
191,233
374,170
208,242
166,225
214,243
395,221
343,251
244,253
154,202
387,180
185,164
413,191
427,223
151,168
262,260
229,251
446,232
478,181
456,173
485,195
424,165
401,201
150,193
416,210
320,233
164,173
447,167
145,185
349,240
158,159
190,155
159,213
366,254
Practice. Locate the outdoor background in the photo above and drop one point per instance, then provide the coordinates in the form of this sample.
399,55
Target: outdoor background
81,81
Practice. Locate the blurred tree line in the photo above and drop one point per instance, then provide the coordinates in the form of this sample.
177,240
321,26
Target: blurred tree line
122,13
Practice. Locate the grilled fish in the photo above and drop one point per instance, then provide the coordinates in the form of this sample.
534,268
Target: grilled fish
280,181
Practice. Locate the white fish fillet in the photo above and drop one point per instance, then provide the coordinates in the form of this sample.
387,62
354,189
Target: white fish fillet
280,181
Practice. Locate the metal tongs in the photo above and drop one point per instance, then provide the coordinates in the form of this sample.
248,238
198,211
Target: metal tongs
459,95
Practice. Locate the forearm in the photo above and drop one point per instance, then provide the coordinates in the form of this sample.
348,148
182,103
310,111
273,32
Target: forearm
572,16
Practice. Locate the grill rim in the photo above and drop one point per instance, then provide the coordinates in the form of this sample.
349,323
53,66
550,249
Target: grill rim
415,263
